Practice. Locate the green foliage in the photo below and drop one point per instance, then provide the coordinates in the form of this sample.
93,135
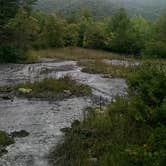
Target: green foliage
155,49
161,27
11,53
125,37
149,85
95,36
53,33
24,28
8,9
5,140
71,35
129,132
14,29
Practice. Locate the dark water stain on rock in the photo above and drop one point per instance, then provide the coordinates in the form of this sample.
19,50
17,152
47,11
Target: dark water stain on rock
21,133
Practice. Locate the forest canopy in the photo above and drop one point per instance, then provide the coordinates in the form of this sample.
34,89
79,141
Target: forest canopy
23,28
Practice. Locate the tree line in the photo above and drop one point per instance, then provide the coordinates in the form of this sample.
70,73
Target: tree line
22,28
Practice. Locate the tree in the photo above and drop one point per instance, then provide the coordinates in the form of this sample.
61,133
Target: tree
8,10
71,35
24,28
12,44
156,46
53,32
125,36
161,28
95,36
85,22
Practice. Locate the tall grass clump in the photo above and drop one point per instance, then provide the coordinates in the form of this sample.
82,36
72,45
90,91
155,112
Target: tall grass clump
129,132
109,70
54,88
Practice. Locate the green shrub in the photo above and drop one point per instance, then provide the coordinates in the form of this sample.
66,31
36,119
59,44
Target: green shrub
155,49
148,86
11,54
5,140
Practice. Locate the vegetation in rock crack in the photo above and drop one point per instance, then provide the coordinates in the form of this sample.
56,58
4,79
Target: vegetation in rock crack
129,132
53,89
5,140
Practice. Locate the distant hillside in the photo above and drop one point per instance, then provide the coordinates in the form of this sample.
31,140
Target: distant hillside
148,8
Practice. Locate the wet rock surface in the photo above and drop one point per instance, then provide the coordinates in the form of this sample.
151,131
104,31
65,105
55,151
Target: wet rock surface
44,119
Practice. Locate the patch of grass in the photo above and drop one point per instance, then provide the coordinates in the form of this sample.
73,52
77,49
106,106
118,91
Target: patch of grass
109,70
154,61
54,88
5,140
72,53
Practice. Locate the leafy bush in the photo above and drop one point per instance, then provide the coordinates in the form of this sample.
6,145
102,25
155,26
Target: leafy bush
155,49
149,87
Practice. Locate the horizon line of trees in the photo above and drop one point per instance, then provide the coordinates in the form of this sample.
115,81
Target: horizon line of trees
22,28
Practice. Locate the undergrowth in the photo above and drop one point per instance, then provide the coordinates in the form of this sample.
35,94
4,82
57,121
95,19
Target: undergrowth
129,132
